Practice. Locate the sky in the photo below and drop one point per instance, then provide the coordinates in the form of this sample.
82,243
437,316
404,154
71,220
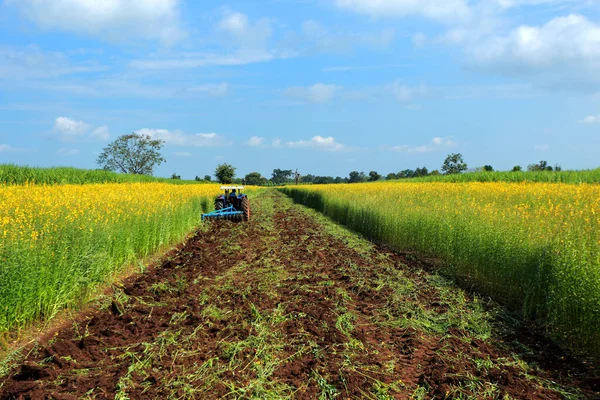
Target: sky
322,86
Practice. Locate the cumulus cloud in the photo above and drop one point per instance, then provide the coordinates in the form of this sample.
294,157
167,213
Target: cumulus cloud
255,141
245,42
437,144
178,138
235,28
571,41
70,130
441,10
318,93
591,119
112,20
320,143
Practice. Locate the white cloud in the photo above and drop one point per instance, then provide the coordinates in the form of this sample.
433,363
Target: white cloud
113,20
101,133
255,141
276,143
186,61
69,130
68,152
572,41
215,90
591,119
406,93
182,154
178,138
6,148
30,62
318,93
319,142
236,29
437,144
542,147
443,10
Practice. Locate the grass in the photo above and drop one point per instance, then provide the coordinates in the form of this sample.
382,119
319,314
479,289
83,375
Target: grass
533,247
573,177
18,175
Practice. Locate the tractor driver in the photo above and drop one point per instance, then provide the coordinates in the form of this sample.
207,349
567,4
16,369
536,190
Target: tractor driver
232,196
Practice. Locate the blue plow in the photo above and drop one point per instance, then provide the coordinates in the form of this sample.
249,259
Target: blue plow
228,213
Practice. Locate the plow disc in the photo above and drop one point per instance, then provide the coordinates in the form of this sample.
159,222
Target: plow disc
228,214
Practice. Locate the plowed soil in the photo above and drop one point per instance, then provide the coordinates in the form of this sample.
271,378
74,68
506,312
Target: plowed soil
292,306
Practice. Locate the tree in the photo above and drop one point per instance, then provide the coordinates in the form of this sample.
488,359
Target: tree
391,176
541,166
308,178
435,172
255,178
281,176
132,154
374,176
356,177
421,172
207,178
407,173
517,168
175,176
454,164
225,173
488,168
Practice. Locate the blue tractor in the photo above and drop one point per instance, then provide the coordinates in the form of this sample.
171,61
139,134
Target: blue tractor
233,205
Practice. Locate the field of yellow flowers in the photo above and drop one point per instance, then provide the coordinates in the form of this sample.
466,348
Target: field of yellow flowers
533,246
59,242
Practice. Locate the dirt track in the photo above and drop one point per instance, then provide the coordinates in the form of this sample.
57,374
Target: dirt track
290,306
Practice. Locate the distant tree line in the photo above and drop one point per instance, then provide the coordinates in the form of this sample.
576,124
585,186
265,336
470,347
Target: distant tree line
140,154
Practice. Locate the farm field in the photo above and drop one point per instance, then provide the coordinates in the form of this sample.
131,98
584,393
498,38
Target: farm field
534,247
292,305
58,243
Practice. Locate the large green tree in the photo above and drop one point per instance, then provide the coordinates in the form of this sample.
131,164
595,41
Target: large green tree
132,154
356,177
281,176
454,164
225,173
255,178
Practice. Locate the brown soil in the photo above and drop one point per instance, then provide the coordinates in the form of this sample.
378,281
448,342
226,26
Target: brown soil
282,307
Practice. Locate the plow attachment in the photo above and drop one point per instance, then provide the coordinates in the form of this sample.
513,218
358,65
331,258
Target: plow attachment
229,213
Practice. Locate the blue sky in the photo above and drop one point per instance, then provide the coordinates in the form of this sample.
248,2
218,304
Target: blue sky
325,86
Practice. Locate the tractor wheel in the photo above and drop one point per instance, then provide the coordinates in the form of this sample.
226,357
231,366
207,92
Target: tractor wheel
246,208
218,204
